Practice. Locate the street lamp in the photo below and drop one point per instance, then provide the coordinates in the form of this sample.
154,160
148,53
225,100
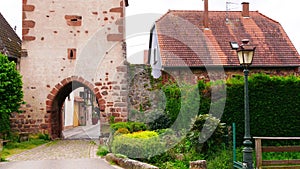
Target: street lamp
245,54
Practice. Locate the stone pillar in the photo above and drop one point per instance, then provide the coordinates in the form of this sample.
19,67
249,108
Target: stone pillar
200,164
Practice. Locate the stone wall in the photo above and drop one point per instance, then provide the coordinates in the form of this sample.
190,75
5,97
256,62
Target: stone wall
192,75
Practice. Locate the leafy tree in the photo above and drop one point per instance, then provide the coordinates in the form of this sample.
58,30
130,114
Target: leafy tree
11,94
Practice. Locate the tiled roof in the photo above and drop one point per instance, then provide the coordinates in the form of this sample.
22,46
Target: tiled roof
183,41
10,43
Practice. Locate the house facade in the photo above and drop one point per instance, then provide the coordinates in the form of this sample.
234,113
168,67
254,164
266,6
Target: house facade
192,45
67,45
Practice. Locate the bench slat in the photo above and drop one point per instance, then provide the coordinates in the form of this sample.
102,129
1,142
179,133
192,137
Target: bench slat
279,162
281,167
280,148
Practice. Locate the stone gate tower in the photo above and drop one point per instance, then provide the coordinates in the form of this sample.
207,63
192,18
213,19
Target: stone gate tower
69,44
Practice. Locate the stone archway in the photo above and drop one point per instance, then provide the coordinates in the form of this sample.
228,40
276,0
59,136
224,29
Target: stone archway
56,98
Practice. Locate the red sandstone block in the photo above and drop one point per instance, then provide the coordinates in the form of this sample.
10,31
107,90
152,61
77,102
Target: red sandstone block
28,24
115,37
28,38
98,95
69,79
49,103
58,86
118,119
102,108
74,23
118,9
98,84
24,2
50,97
115,114
28,8
96,90
25,31
64,82
102,101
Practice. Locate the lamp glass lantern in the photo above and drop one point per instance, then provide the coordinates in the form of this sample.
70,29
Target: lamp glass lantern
245,53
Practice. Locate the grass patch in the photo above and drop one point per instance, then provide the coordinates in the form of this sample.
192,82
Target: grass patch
12,148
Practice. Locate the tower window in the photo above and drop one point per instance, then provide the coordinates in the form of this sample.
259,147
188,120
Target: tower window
71,53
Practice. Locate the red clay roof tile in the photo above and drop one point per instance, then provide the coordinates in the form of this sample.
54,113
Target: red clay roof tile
183,41
9,40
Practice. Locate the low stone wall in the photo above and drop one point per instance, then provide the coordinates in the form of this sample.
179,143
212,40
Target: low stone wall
128,163
200,164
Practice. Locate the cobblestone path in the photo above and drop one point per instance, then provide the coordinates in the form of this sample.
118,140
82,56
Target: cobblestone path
59,149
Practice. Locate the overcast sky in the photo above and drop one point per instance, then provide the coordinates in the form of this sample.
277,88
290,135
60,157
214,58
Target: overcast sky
286,12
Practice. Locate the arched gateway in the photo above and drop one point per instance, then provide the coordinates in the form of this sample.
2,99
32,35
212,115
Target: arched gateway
70,44
56,98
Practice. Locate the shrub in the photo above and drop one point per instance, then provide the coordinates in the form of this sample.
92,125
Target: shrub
158,120
102,151
122,131
138,145
11,93
208,130
130,126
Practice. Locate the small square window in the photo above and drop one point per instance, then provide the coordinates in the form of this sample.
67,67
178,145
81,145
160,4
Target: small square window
72,53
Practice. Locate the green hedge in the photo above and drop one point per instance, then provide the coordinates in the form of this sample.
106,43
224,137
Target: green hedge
274,104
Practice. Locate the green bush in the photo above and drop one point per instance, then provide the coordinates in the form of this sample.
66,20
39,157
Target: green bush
122,131
207,133
102,151
130,126
138,145
222,159
11,93
158,120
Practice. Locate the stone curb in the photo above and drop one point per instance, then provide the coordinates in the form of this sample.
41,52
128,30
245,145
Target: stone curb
128,163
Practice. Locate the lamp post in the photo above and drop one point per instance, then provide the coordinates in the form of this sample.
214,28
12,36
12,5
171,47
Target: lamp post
245,54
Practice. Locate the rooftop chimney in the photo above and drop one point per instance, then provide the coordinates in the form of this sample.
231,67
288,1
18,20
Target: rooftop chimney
205,21
245,12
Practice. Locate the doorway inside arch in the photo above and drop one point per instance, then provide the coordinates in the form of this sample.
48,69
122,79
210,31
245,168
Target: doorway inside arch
75,112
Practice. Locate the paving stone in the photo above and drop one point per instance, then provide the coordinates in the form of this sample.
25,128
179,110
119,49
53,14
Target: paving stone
59,149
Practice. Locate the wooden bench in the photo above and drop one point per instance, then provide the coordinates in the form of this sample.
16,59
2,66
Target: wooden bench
288,164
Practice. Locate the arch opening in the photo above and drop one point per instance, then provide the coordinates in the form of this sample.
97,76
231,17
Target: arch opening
74,110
